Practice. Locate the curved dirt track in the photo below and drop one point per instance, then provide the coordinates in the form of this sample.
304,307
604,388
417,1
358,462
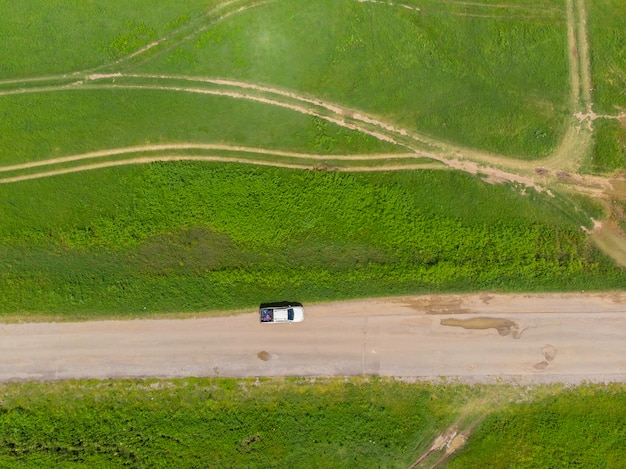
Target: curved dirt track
567,338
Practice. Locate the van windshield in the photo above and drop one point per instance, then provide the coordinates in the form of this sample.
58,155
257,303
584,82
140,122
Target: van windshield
290,314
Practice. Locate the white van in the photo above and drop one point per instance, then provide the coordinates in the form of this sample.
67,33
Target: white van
273,313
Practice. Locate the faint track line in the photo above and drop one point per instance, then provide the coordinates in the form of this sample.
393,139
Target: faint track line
193,146
221,159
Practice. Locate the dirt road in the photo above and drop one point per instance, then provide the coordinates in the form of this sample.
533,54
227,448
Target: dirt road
478,338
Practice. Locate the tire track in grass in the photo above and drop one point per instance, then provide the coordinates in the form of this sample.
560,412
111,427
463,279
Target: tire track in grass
195,146
455,157
205,28
221,159
347,119
530,11
173,33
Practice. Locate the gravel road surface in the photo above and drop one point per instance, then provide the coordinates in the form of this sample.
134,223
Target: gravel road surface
476,338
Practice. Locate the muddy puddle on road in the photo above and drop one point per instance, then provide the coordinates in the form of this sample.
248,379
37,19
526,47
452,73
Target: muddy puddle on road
503,326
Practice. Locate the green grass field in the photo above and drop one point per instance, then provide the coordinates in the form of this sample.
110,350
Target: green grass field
607,21
303,423
94,88
194,236
444,74
583,427
50,125
93,225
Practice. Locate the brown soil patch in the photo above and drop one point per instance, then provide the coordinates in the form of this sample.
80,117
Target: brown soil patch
549,352
503,326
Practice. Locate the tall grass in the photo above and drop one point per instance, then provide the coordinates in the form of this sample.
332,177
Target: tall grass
610,146
295,423
217,423
190,237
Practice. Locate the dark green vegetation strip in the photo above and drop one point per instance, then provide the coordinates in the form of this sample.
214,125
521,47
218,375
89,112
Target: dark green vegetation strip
583,427
303,423
205,236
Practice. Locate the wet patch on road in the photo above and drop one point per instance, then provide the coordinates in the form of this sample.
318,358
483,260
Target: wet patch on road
265,356
549,353
503,326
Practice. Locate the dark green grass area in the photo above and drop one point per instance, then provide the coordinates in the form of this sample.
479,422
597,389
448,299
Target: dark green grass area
439,72
50,36
607,23
218,423
609,153
47,125
203,236
583,427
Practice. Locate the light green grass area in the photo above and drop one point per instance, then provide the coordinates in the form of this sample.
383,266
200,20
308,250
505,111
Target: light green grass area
42,37
205,236
435,71
583,427
443,70
607,23
217,423
47,125
296,423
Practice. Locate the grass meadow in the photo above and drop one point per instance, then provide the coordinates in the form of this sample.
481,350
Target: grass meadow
436,71
49,125
582,427
176,237
42,37
354,422
198,236
607,21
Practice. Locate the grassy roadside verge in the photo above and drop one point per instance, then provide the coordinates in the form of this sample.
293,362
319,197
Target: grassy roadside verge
356,422
191,236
